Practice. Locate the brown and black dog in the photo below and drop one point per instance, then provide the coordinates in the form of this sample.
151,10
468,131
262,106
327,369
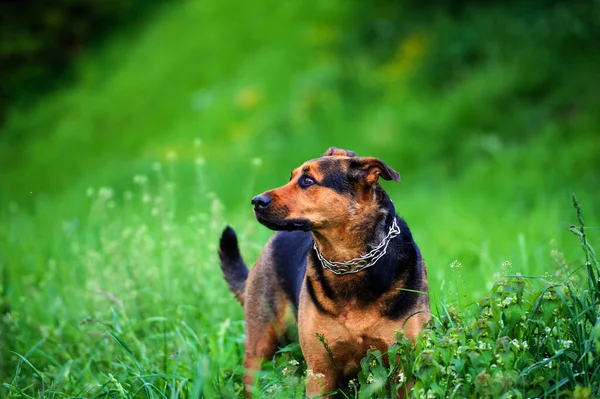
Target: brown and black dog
332,210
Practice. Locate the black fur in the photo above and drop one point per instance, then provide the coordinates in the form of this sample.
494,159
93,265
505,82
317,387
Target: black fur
320,273
289,257
335,177
405,255
313,297
287,225
232,264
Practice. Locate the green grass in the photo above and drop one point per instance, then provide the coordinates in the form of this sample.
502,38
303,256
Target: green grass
130,302
115,189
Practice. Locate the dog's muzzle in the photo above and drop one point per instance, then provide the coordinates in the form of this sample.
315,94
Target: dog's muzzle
274,218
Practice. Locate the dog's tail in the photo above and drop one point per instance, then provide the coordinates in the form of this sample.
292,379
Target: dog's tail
232,264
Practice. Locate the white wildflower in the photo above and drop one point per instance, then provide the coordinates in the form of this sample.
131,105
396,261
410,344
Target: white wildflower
484,345
311,374
271,389
515,342
499,360
509,300
566,343
455,265
105,192
140,179
401,378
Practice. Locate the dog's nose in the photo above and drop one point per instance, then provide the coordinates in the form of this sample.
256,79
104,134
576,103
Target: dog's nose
261,201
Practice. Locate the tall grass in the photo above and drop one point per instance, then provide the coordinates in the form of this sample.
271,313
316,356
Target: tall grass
125,300
129,302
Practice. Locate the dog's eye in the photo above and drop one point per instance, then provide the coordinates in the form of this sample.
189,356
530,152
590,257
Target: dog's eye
306,181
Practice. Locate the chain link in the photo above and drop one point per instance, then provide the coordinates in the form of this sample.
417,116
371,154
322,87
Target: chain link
357,264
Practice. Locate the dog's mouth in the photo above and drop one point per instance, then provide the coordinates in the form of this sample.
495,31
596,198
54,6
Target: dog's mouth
284,225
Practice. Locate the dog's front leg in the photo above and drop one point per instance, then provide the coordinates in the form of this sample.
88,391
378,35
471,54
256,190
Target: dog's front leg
320,382
322,372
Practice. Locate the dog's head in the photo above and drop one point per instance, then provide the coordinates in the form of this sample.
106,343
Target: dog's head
324,192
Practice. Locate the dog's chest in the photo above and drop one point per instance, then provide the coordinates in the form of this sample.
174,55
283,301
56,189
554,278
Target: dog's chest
358,323
357,332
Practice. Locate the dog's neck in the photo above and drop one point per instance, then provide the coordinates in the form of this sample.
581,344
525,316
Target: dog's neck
358,235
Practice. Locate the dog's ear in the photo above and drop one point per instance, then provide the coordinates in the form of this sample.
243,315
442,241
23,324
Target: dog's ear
338,152
368,170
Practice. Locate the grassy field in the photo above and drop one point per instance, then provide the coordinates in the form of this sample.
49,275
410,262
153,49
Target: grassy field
115,189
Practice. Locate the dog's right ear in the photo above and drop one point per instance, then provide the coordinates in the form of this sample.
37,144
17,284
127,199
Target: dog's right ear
338,152
368,170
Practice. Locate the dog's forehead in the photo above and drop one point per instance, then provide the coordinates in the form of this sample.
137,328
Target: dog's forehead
325,165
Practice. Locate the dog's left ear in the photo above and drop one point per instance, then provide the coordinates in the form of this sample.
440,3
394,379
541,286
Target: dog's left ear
338,152
368,170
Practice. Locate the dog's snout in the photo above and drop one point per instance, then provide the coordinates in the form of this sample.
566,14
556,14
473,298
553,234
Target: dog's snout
261,201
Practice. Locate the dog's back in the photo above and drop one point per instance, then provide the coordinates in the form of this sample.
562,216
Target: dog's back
286,254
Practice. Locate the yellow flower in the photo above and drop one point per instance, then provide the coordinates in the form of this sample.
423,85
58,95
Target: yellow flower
408,52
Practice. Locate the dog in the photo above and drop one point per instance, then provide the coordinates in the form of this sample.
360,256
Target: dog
342,261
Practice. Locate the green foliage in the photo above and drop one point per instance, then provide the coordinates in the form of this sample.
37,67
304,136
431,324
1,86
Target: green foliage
116,314
39,40
489,112
519,342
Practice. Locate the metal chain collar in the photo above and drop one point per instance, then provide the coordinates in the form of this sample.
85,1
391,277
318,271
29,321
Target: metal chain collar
357,264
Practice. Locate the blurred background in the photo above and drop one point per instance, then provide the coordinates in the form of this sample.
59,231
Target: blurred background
489,111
